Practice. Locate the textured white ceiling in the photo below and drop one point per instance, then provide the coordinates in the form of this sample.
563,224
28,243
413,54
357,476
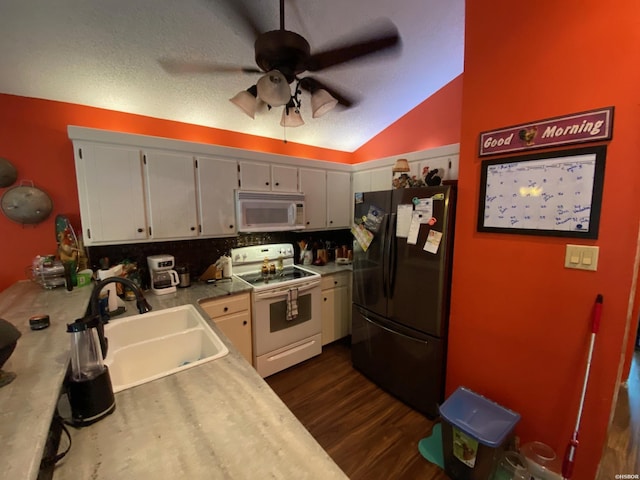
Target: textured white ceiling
104,53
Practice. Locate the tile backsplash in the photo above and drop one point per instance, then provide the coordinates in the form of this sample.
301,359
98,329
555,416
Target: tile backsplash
198,254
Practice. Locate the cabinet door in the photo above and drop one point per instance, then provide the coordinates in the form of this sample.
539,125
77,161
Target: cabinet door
313,184
216,180
237,327
284,179
338,199
328,316
255,176
171,194
111,193
336,318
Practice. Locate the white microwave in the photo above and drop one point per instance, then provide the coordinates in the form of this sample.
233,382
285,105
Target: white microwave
269,211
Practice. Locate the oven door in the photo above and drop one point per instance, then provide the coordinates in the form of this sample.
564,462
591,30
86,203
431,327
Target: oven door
271,328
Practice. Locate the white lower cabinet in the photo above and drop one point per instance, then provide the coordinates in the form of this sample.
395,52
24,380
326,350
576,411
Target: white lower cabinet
232,315
336,306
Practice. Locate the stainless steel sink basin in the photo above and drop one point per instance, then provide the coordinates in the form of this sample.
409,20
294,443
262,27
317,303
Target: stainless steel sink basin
159,343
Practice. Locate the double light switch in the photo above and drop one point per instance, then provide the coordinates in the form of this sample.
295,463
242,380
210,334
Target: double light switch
582,257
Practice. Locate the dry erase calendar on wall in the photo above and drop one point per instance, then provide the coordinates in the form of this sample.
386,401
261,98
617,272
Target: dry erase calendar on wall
554,193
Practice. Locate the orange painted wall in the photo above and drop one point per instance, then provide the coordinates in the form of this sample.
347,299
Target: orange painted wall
33,137
520,321
433,123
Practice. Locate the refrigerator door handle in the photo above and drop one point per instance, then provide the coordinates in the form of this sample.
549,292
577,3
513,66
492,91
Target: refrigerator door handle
372,322
385,252
392,253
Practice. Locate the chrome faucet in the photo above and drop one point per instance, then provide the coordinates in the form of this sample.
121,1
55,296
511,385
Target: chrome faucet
93,309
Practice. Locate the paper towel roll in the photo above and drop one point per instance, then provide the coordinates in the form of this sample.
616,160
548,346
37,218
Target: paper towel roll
111,288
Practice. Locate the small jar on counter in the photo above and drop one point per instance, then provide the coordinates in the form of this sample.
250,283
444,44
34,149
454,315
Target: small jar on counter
184,277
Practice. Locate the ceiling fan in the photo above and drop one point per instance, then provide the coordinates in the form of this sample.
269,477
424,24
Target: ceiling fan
282,56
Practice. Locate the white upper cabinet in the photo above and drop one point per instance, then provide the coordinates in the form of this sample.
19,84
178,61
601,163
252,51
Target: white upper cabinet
171,195
265,177
339,202
216,181
313,183
284,178
111,194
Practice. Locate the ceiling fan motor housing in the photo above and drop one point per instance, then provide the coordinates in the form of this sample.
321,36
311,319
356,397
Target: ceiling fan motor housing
282,50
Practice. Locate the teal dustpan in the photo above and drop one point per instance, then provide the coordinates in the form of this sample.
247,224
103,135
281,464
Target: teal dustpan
431,446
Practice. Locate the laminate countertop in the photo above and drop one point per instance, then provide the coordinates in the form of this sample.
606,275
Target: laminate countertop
215,420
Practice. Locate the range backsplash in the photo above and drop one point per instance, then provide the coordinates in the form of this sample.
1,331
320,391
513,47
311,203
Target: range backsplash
197,255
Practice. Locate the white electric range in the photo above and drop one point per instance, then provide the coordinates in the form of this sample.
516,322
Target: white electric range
286,308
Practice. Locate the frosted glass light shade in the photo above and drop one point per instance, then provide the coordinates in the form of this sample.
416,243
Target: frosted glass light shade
246,101
291,119
274,89
322,102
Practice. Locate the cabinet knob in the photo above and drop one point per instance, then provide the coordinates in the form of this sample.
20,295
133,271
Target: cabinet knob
140,230
325,299
225,309
231,227
330,221
244,322
277,184
308,222
266,183
335,282
192,228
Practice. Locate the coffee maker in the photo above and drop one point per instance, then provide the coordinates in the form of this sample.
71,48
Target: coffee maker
163,277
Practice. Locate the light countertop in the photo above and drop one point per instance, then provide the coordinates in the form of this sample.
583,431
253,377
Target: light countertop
216,420
328,269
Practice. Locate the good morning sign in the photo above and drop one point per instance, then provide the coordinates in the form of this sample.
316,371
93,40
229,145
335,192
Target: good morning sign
591,126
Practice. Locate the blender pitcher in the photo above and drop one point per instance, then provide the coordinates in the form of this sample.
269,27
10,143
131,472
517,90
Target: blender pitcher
89,384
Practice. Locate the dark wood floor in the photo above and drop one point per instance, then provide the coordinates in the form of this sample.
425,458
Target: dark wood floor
372,436
622,451
366,431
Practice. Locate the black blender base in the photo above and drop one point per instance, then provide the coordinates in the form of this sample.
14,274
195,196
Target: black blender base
91,400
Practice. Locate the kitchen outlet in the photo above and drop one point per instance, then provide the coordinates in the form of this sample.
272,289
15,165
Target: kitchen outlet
582,257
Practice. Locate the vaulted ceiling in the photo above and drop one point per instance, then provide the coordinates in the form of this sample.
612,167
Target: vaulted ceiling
106,54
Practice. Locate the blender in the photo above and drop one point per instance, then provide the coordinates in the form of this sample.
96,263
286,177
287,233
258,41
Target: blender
89,383
163,277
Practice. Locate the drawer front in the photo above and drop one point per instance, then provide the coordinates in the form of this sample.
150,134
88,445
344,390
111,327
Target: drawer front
226,305
336,280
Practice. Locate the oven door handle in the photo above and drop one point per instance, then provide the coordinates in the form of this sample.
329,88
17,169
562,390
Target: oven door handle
283,292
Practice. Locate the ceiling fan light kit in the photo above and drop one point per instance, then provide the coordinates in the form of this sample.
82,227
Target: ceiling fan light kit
246,101
282,57
274,89
322,102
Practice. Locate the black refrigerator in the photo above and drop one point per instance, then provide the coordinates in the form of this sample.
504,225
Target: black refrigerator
401,291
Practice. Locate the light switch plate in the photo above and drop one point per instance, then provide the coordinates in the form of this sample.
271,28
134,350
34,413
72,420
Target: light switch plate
581,257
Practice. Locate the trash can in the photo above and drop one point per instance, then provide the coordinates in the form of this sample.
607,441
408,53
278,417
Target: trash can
475,432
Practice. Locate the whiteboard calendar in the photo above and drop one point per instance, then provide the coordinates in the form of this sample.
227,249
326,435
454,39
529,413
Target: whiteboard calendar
556,193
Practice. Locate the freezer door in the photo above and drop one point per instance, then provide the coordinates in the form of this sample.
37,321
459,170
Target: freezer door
419,291
370,268
409,367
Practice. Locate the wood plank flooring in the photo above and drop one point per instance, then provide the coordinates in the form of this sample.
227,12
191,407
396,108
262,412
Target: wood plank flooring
372,436
366,431
622,451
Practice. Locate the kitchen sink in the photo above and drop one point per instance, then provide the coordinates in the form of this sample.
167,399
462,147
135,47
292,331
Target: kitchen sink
152,345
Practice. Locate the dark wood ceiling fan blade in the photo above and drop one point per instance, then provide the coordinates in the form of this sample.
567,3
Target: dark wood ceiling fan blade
312,84
242,16
387,40
180,67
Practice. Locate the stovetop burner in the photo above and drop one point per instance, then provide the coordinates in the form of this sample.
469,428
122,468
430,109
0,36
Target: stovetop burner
287,274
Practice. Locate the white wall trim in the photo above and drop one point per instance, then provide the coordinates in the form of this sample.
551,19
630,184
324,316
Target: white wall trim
148,141
196,148
444,151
